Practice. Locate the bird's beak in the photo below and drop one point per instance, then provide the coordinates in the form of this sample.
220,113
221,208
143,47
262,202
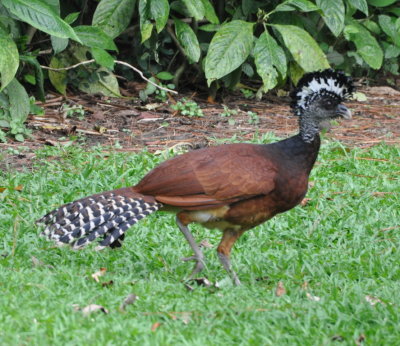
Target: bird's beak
344,112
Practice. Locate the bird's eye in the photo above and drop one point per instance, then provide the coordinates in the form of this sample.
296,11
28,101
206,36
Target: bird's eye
329,104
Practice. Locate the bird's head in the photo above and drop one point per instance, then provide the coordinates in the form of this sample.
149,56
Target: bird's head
319,96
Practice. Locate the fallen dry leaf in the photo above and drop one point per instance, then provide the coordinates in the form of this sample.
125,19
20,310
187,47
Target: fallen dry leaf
130,299
205,243
373,300
96,275
280,289
155,326
87,310
313,298
305,201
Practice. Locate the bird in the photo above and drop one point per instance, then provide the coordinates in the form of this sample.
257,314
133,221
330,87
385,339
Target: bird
228,187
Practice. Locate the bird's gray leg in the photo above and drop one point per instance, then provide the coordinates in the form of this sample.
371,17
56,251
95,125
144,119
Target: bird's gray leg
198,254
224,250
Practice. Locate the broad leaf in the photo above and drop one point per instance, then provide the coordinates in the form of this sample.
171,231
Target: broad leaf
228,49
195,8
333,14
58,78
269,59
19,101
113,16
381,3
103,58
188,40
92,36
146,26
41,16
367,46
292,5
106,85
58,43
159,10
360,5
209,12
391,27
9,59
303,48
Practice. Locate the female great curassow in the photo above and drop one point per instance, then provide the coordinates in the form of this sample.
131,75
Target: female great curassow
232,187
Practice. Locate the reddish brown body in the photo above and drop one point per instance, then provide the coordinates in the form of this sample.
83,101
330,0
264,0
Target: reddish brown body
232,187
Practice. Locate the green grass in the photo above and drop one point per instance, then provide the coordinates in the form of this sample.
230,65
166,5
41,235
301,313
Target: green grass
344,243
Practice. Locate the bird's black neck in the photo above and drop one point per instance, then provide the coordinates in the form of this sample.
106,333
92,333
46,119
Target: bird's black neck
299,152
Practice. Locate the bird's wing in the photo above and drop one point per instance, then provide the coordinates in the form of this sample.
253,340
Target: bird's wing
211,176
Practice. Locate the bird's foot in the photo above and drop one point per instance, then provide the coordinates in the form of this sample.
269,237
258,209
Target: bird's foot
198,267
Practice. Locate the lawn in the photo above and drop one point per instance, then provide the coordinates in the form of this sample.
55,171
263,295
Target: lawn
337,257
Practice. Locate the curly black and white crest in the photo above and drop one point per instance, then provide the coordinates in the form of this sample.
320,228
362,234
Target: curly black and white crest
330,83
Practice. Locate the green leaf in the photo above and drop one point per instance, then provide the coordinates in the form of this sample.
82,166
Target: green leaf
195,8
229,48
9,59
92,36
210,27
292,5
269,59
360,5
58,78
159,10
41,16
58,43
302,46
188,40
333,14
381,3
164,75
19,101
106,85
103,58
146,27
55,5
113,16
367,46
72,17
209,12
390,27
391,51
32,60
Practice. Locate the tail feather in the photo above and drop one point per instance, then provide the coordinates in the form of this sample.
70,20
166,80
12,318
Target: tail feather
106,215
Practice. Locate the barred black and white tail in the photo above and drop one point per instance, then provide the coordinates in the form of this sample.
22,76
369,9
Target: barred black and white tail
107,216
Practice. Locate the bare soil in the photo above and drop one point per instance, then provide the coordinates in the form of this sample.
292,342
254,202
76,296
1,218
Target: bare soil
130,125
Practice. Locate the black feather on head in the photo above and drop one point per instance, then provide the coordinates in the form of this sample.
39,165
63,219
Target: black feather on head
331,83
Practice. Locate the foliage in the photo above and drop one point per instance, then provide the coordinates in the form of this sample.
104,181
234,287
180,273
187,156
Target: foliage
342,247
187,107
151,89
228,112
220,42
73,111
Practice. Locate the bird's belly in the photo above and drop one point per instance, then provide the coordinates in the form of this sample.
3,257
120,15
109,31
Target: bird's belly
211,218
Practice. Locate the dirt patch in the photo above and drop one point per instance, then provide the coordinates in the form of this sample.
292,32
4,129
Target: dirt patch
129,125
